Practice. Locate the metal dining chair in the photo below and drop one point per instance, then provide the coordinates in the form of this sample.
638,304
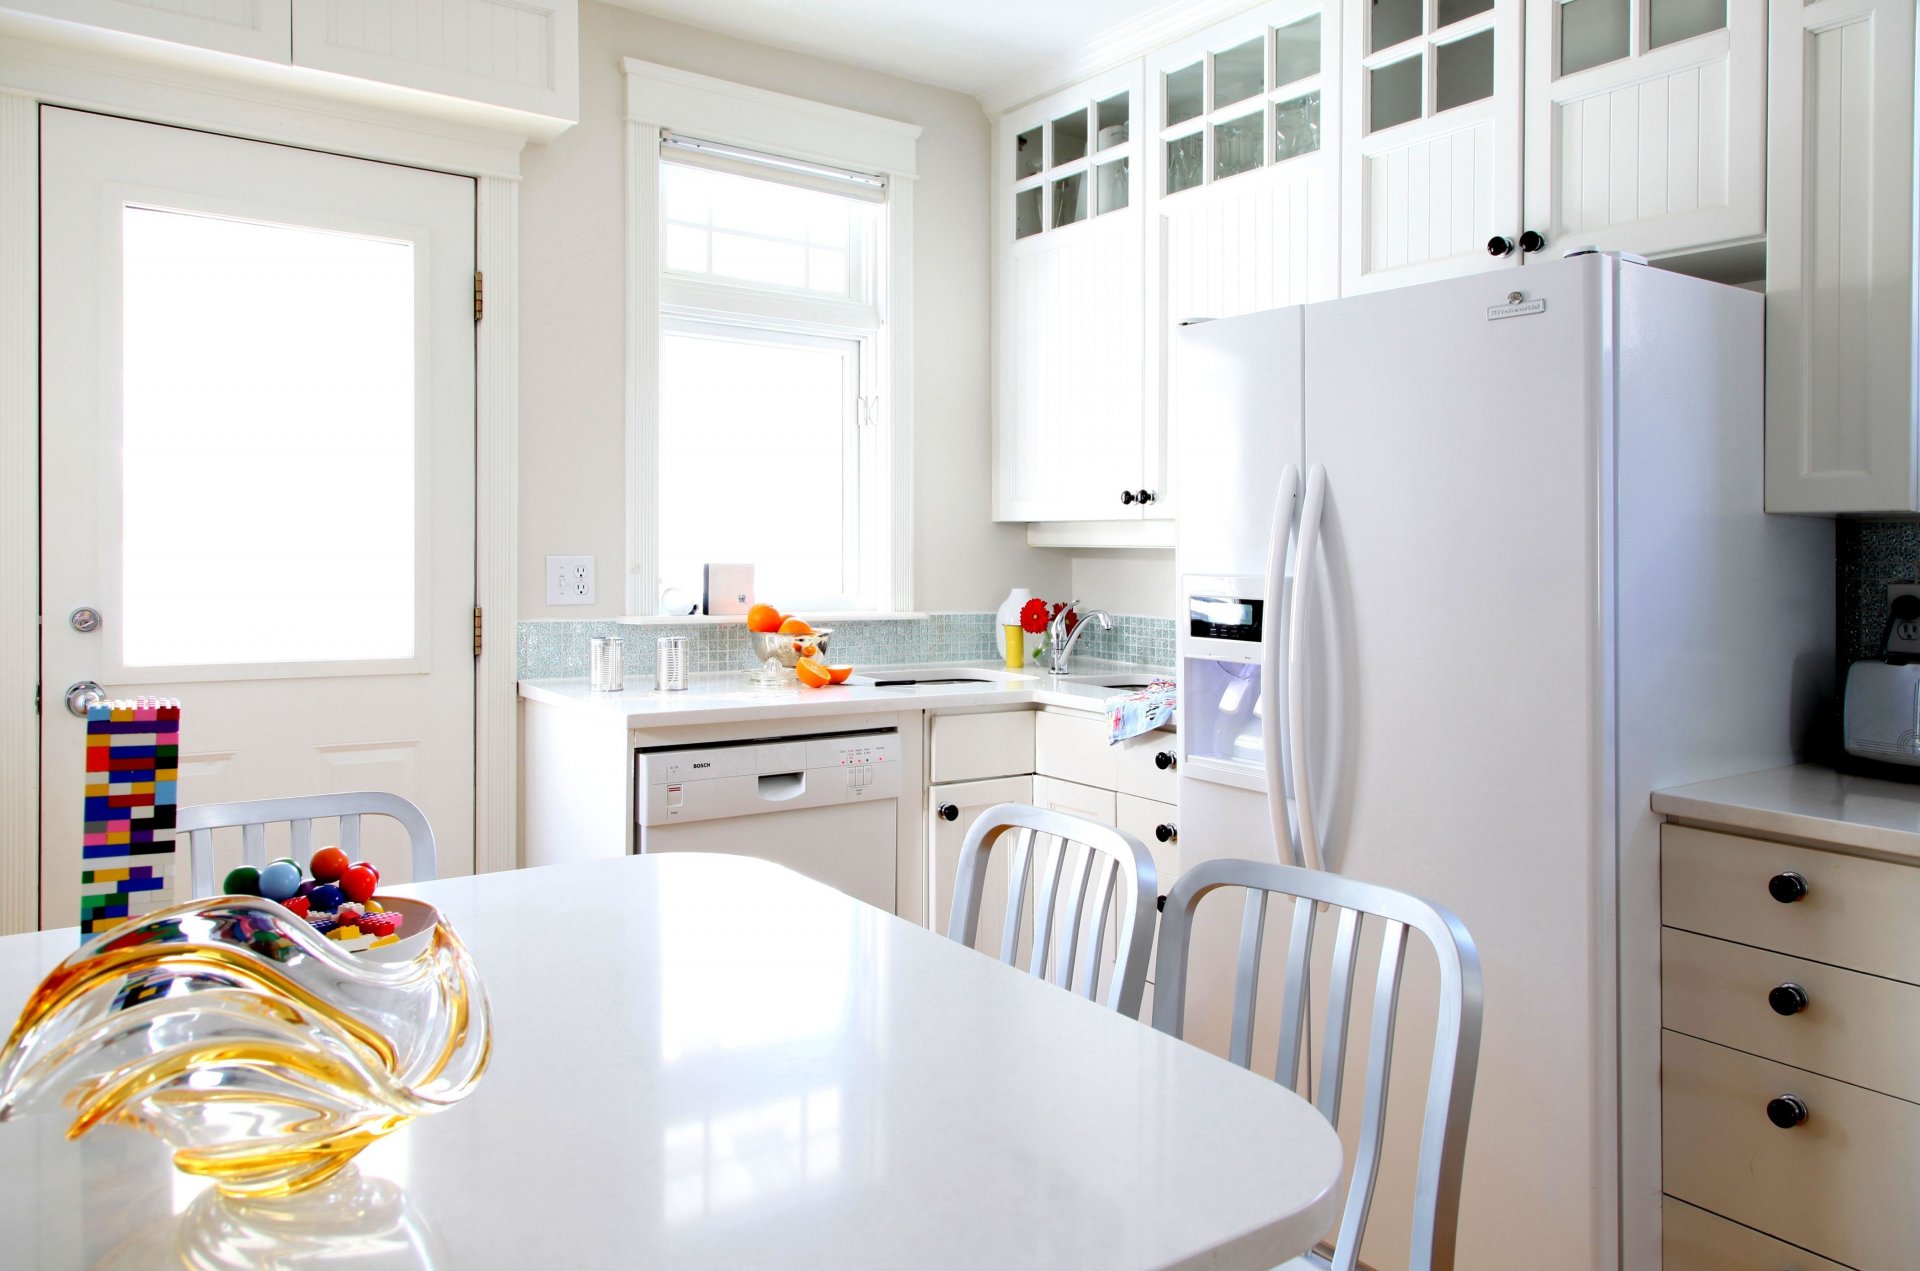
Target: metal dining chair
1456,1045
252,818
1081,866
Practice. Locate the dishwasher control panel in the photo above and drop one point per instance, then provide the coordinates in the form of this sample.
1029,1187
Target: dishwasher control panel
700,783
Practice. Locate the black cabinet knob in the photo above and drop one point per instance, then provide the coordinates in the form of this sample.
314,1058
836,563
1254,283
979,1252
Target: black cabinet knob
1532,241
947,812
1165,760
1499,245
1787,1110
1787,999
1787,886
1127,496
1160,904
1165,832
1144,497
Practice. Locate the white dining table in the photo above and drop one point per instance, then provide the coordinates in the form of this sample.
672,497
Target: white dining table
711,1062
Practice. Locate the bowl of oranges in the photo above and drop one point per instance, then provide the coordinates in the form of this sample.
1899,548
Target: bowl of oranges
789,648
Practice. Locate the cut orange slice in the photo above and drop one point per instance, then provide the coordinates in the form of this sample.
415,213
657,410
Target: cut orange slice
795,626
839,673
812,674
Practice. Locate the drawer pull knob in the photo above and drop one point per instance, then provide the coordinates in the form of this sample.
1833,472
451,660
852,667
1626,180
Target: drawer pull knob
947,812
1787,999
1787,1110
1165,760
1787,886
1166,833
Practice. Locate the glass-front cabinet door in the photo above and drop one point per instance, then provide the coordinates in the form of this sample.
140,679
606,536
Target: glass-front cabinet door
1432,139
1646,123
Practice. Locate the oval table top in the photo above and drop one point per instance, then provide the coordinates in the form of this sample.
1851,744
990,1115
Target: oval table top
711,1062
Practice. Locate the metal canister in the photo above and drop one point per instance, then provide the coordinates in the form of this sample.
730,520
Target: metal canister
670,663
605,670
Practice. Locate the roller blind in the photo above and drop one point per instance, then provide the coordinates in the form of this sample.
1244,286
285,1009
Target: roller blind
866,186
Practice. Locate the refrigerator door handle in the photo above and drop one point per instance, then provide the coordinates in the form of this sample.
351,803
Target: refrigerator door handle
1273,649
1303,574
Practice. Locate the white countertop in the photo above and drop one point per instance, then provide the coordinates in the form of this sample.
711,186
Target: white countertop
1856,814
709,1062
718,698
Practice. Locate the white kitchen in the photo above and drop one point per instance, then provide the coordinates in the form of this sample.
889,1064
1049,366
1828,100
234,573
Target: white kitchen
1111,633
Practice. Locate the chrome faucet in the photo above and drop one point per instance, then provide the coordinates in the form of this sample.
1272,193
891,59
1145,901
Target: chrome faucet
1060,641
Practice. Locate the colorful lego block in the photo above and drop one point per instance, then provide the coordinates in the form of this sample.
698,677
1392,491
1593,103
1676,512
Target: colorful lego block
127,848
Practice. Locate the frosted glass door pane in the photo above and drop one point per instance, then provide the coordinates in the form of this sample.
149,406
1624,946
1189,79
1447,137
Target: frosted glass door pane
1683,19
1592,33
1296,127
267,449
1185,93
1393,21
1463,71
1184,157
1451,11
1111,116
1070,138
1113,186
1393,93
1236,146
1239,72
1296,51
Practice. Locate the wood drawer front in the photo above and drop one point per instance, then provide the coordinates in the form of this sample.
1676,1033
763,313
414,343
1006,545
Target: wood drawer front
1856,912
1694,1240
1858,1028
976,747
1840,1184
1074,748
1137,768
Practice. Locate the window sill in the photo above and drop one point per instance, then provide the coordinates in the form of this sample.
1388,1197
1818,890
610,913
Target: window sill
704,619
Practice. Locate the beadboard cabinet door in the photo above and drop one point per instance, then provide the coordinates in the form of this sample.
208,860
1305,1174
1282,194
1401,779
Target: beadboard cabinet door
258,29
1840,257
1646,124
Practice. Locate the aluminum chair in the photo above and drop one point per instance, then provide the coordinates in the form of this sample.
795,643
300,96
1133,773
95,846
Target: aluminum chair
253,816
1456,1048
1082,865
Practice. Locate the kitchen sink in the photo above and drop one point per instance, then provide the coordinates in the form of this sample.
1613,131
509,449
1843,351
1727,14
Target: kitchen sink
918,676
1125,680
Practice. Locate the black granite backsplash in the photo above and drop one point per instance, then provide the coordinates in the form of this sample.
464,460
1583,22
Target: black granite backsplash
1868,555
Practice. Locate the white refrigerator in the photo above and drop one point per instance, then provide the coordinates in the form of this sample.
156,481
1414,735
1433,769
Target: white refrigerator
1503,536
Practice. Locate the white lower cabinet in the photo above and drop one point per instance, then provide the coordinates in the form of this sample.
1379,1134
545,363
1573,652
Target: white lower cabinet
953,807
1695,1240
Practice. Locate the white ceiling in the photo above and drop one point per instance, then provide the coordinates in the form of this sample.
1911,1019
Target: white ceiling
969,45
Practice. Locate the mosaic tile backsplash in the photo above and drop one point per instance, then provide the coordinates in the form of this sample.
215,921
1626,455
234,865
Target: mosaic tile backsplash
1868,556
559,647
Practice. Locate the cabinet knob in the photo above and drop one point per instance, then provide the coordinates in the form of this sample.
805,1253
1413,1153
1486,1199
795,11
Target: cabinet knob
1166,833
947,812
1499,245
1787,1110
1165,759
1127,496
1532,241
1787,999
1143,497
1160,904
1787,886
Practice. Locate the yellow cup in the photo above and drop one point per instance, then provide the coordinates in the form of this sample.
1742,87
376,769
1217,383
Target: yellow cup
1016,646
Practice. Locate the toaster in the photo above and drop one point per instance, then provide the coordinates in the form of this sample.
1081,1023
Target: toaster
1881,717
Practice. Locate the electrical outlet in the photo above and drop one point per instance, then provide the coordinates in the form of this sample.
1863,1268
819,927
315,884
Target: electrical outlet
570,580
1903,622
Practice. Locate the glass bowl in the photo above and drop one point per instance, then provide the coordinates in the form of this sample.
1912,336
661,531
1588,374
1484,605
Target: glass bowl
777,654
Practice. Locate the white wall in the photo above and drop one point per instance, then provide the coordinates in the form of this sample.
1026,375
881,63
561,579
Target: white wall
573,363
1135,582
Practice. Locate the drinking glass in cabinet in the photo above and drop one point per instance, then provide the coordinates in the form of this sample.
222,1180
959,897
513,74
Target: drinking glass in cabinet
1026,213
1184,159
1111,195
1592,33
1393,93
1676,20
1186,93
1463,71
1452,11
1027,156
1070,138
1070,199
1236,146
1110,122
1393,21
1296,51
1296,127
1238,73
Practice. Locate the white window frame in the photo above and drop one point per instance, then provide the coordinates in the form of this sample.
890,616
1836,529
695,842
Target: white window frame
664,98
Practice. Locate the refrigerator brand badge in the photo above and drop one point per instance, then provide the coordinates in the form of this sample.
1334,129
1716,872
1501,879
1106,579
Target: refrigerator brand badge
1516,307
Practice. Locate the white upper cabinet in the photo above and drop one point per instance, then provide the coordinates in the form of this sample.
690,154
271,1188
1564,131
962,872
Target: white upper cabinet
1840,258
1646,124
1432,125
251,28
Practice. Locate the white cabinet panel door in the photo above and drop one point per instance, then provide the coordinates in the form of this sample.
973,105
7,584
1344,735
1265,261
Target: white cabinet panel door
251,28
1640,147
952,809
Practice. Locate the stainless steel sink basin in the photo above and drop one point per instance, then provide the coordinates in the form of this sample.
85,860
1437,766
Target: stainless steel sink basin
1124,680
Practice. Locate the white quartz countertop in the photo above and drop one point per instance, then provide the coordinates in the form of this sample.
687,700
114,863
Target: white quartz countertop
1819,805
729,697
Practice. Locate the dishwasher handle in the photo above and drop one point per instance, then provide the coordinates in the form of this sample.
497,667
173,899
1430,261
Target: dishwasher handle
782,787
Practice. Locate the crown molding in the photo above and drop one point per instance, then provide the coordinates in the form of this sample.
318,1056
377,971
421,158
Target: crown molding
1123,43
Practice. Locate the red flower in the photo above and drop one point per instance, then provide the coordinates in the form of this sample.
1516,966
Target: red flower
1033,617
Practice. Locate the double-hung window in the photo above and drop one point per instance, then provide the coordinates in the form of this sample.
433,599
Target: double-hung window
769,427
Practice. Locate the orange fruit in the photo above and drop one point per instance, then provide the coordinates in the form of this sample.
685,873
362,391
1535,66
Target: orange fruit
839,673
812,674
795,626
763,618
808,649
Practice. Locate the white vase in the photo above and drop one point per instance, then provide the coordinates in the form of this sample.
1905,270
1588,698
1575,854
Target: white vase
1008,615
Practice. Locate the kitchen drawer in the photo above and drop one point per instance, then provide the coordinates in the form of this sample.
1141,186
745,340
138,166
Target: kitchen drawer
975,747
1137,766
1856,912
1840,1184
1694,1240
1074,799
1073,747
1858,1028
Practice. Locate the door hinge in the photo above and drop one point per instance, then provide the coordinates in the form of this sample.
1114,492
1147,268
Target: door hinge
479,294
476,631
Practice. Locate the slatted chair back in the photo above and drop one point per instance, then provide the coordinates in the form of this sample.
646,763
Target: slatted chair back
1072,869
253,816
1356,908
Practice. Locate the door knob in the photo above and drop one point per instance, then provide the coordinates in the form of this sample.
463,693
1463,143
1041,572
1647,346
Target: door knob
1166,832
1787,886
85,620
1532,241
1787,1111
82,694
947,812
1128,497
1165,759
1787,999
1499,245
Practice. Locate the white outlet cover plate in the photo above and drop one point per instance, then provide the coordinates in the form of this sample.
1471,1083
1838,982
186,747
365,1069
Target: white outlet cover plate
570,580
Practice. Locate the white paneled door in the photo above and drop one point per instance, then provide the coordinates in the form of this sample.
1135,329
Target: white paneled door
258,471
